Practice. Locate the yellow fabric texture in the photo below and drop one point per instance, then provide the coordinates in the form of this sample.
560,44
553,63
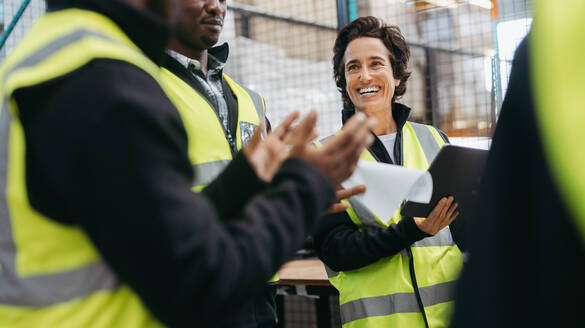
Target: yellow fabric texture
43,246
558,43
206,139
391,275
119,308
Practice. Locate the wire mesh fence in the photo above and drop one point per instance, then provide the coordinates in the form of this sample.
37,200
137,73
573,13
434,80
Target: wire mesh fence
283,50
461,55
8,10
298,311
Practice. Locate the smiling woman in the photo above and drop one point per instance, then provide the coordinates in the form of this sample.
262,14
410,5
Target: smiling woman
370,80
370,55
398,274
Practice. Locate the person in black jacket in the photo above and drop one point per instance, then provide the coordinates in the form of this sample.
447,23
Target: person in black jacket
370,68
338,241
526,253
106,151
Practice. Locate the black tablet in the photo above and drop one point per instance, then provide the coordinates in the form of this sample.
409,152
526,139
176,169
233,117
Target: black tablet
456,172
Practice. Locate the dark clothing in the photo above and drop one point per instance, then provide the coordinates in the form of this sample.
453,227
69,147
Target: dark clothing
261,311
257,313
107,151
527,260
148,32
339,242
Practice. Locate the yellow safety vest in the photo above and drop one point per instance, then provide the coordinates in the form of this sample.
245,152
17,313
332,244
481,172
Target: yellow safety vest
382,294
209,150
558,41
51,275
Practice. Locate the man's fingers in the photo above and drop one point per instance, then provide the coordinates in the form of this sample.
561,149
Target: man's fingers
255,140
305,128
284,127
351,143
302,134
362,136
337,207
349,129
314,135
345,150
346,193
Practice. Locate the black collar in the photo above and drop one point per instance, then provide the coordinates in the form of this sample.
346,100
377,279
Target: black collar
220,52
400,114
146,30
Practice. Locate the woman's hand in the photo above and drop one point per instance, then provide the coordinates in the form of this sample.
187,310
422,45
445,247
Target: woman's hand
441,216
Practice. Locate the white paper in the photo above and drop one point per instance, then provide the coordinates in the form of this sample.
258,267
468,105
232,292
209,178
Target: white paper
388,185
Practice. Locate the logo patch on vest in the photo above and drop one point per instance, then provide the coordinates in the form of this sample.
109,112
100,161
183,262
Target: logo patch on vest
247,129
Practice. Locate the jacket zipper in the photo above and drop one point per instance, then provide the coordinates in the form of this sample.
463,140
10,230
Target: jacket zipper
415,286
399,160
398,147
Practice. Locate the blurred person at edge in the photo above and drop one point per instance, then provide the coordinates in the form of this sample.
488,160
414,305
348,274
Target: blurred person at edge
526,265
220,116
99,224
401,274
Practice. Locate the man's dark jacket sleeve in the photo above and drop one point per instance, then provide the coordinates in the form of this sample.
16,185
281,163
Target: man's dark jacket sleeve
114,162
234,187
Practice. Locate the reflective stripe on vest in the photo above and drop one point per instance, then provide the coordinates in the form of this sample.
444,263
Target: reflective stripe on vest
209,150
50,273
558,43
395,303
381,294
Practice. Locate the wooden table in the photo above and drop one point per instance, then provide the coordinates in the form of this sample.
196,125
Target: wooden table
303,272
306,278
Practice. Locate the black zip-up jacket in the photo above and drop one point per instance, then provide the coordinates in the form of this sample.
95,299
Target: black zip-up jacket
337,240
107,151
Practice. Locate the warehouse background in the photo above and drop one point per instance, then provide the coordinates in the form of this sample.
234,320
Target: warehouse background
461,53
461,57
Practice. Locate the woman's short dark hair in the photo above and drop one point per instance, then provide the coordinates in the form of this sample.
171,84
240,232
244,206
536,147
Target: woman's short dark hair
391,37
